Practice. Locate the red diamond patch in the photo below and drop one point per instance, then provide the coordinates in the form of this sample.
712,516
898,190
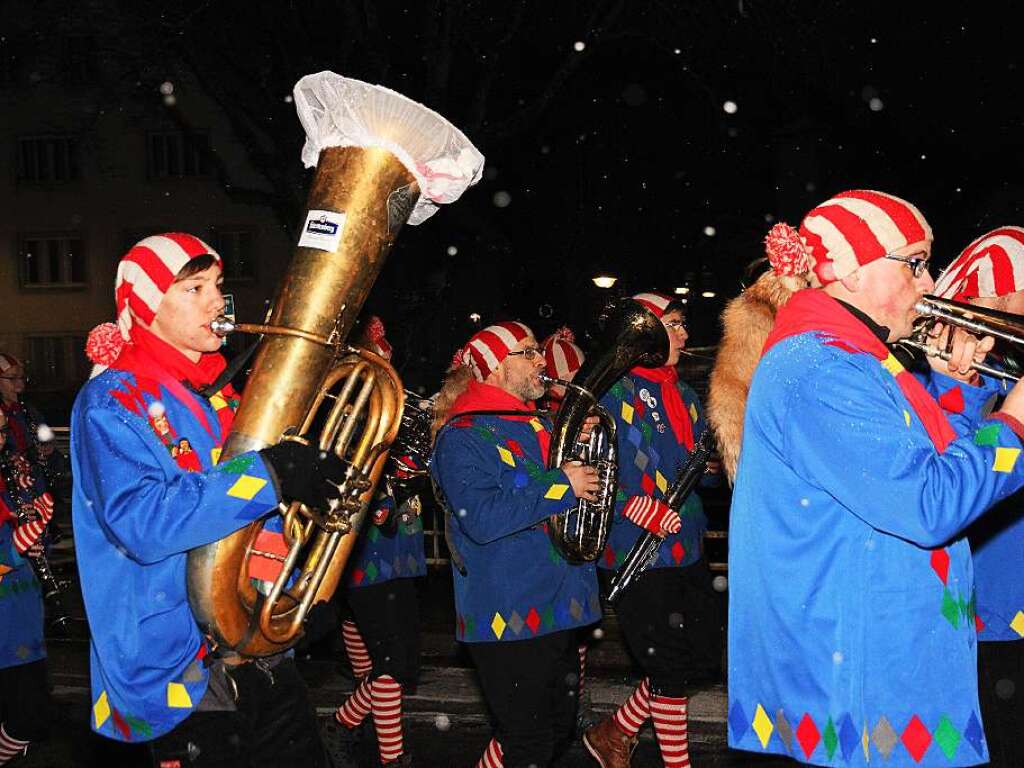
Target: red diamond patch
952,400
609,556
940,563
979,624
647,484
678,552
357,576
533,620
916,738
807,734
514,447
638,406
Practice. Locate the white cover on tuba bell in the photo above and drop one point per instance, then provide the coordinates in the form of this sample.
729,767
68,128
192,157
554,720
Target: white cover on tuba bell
337,111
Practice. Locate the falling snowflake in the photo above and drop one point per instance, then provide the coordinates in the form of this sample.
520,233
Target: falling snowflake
452,250
720,583
502,199
710,231
44,433
578,46
730,107
598,633
167,88
875,104
156,409
288,99
170,100
442,723
837,657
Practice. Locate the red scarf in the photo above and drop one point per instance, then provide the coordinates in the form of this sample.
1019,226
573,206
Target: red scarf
813,310
150,357
486,397
675,409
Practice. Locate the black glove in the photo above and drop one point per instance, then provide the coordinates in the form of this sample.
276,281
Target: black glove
305,474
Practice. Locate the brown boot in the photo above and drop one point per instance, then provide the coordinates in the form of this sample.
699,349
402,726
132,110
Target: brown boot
608,744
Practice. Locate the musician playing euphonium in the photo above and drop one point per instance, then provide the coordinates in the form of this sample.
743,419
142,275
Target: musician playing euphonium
25,703
669,616
851,601
139,505
990,273
517,601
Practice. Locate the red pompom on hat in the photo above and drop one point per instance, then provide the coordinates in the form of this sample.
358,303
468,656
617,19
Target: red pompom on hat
375,335
104,344
786,251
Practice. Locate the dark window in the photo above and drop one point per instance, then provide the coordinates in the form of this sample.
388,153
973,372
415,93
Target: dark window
177,155
52,261
11,59
79,60
235,247
55,362
47,158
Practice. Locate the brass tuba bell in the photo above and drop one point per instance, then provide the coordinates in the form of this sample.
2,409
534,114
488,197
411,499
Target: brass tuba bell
631,335
375,153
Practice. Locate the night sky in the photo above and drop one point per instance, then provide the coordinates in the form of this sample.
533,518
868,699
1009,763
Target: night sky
655,141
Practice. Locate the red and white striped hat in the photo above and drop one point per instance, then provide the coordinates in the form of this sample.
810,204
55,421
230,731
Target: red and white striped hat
489,346
561,355
991,266
856,227
658,303
148,270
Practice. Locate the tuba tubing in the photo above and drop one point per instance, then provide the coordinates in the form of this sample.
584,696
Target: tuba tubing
632,335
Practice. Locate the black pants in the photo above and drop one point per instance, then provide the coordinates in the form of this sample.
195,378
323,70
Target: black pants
25,701
273,724
1001,690
672,621
387,616
530,688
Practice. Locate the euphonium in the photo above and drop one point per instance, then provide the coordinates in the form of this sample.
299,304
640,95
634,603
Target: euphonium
361,195
632,335
1005,327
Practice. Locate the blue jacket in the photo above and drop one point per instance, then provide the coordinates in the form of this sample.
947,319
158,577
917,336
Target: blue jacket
851,614
21,605
649,460
499,496
137,510
383,553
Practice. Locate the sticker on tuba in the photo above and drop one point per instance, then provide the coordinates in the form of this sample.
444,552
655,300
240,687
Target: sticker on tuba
322,230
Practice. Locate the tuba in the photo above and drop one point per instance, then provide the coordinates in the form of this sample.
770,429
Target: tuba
381,160
631,335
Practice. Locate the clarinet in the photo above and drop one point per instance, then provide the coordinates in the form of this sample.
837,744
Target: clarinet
52,589
645,550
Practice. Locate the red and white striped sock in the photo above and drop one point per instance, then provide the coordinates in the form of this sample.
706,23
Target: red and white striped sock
10,746
492,757
582,650
387,717
669,715
356,707
632,715
355,648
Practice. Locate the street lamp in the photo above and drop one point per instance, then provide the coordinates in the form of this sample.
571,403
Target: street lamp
605,281
682,290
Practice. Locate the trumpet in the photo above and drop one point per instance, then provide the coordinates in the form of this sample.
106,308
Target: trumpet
982,321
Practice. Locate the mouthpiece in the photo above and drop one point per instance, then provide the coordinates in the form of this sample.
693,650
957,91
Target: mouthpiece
222,326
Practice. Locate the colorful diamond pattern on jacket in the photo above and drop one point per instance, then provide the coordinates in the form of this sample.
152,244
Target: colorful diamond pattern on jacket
1006,459
940,563
952,400
842,734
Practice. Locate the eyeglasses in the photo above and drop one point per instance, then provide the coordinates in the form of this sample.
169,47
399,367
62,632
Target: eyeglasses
917,265
530,353
676,325
13,378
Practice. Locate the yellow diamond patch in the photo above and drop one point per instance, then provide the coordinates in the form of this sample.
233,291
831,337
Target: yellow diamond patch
1017,625
660,481
693,413
537,426
1006,458
506,456
178,697
246,487
763,726
556,491
892,365
101,710
906,417
498,626
627,413
215,455
218,401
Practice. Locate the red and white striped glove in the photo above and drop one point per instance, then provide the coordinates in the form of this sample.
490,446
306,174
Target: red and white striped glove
27,534
652,515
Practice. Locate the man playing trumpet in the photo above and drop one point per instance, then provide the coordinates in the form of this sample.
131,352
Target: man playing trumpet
852,619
